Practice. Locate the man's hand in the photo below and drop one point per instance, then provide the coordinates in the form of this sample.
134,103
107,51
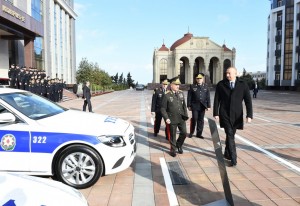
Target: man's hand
216,118
248,120
207,109
168,121
189,108
153,113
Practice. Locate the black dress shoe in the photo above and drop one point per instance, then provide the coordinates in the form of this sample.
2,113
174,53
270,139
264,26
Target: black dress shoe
200,136
173,153
232,164
227,157
155,134
190,135
180,151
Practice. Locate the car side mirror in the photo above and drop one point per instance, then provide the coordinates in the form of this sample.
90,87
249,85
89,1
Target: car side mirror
7,118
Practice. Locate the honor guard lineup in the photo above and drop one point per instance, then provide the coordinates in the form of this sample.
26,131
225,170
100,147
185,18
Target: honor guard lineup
36,81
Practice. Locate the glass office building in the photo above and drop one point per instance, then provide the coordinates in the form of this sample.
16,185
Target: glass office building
38,34
283,57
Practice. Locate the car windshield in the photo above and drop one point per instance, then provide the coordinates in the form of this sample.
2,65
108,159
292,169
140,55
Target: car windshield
31,105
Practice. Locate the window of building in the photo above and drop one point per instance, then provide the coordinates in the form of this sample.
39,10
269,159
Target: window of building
36,9
289,14
38,52
287,75
163,66
279,3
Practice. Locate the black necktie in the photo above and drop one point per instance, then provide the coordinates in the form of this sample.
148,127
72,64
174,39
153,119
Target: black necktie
231,85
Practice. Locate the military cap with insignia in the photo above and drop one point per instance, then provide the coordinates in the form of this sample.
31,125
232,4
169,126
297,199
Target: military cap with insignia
175,80
200,76
165,82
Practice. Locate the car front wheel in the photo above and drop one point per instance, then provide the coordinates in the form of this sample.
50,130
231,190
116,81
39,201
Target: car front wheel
78,166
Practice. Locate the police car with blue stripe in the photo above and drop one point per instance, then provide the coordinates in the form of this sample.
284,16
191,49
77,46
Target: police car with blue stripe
24,190
39,137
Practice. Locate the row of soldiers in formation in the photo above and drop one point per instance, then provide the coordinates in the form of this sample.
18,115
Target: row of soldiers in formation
36,81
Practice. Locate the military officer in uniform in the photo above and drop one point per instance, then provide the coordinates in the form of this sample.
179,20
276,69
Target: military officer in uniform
156,105
174,112
198,101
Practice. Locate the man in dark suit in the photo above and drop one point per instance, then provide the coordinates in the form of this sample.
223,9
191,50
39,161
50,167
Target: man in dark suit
174,112
198,101
228,109
156,105
87,97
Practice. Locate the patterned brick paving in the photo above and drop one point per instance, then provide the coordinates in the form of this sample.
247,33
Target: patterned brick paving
257,179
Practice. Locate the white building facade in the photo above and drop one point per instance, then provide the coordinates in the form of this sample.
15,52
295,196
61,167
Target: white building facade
38,34
59,39
190,55
283,57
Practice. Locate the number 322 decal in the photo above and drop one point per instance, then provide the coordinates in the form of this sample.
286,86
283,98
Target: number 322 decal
39,139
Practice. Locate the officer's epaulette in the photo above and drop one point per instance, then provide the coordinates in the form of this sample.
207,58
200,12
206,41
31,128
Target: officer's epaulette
179,90
168,92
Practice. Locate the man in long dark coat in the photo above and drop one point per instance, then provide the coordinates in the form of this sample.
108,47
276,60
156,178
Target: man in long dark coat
228,108
87,97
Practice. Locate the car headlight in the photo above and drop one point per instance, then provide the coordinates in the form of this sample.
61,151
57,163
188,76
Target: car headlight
112,140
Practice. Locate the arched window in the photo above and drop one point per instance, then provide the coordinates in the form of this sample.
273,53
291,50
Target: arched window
163,67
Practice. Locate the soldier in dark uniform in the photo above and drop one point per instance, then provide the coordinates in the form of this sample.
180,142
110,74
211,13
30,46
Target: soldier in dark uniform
26,80
60,90
156,105
11,76
17,77
198,101
49,89
38,87
43,74
21,77
43,88
56,90
32,86
174,112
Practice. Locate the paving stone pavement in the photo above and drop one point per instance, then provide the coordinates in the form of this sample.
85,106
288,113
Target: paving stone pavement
267,173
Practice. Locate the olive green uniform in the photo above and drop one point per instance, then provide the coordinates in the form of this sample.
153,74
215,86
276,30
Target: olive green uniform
173,107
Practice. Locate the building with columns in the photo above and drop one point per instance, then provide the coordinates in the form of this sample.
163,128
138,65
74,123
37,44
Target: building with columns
190,55
38,34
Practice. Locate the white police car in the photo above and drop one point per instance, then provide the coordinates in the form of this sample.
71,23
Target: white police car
23,190
39,137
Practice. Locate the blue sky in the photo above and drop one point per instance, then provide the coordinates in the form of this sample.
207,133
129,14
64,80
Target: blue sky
121,35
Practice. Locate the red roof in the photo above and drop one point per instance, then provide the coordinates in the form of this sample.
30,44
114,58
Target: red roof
163,48
225,48
184,39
